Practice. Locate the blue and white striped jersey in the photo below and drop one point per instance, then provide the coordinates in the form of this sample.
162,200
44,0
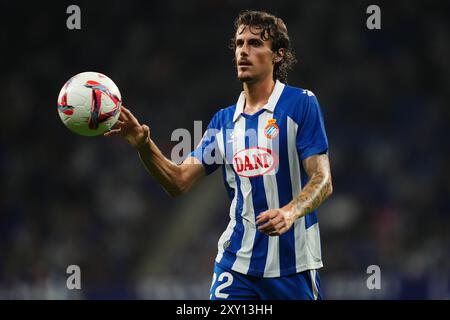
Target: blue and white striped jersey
261,158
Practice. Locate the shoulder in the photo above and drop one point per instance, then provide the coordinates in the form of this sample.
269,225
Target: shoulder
299,93
299,100
223,116
226,112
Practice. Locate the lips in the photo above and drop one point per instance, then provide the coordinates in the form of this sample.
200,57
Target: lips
244,64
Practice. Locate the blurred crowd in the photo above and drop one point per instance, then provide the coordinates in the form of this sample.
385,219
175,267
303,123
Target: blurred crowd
72,200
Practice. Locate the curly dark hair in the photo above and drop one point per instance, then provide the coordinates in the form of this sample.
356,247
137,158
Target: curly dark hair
273,28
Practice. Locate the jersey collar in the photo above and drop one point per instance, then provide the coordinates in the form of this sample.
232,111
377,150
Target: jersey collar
271,103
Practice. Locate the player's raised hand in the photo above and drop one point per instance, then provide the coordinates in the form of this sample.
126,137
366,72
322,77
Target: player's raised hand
274,222
129,128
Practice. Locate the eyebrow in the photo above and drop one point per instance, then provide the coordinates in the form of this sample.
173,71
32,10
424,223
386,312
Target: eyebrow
251,40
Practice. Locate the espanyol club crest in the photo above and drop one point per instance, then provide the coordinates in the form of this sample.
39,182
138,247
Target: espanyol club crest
271,130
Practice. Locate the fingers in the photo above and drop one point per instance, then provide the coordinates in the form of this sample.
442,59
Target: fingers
276,231
113,132
262,218
279,231
129,116
280,225
263,222
265,216
123,117
127,113
115,129
273,224
268,222
118,124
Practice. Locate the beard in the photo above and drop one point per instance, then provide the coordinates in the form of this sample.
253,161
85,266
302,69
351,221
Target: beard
246,77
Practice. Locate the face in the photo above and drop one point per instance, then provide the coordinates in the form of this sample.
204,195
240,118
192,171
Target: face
254,56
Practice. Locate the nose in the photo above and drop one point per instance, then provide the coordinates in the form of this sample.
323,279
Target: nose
244,50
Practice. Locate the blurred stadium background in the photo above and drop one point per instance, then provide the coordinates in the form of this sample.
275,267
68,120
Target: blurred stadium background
67,199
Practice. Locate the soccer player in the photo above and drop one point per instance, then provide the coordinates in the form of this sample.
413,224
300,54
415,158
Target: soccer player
273,151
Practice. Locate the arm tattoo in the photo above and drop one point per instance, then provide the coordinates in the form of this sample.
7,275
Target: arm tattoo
317,189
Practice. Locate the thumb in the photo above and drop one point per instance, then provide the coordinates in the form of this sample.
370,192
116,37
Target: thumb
146,137
146,129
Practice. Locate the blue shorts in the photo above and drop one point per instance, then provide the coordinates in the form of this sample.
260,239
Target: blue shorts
230,285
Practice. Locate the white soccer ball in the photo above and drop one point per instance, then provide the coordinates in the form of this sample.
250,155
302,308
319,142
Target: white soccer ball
89,103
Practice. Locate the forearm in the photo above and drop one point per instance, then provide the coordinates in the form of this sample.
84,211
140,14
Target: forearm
167,173
318,188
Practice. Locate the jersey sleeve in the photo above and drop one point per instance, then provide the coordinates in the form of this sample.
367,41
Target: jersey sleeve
311,135
207,151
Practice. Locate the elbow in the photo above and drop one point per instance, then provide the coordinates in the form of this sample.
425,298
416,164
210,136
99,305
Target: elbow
173,192
329,187
176,191
178,187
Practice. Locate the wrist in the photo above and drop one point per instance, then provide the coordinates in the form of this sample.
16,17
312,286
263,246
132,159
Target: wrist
142,145
291,211
143,142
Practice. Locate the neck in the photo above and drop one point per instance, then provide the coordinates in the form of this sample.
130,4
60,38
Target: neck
257,94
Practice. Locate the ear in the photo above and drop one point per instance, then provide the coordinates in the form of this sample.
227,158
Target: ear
279,55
